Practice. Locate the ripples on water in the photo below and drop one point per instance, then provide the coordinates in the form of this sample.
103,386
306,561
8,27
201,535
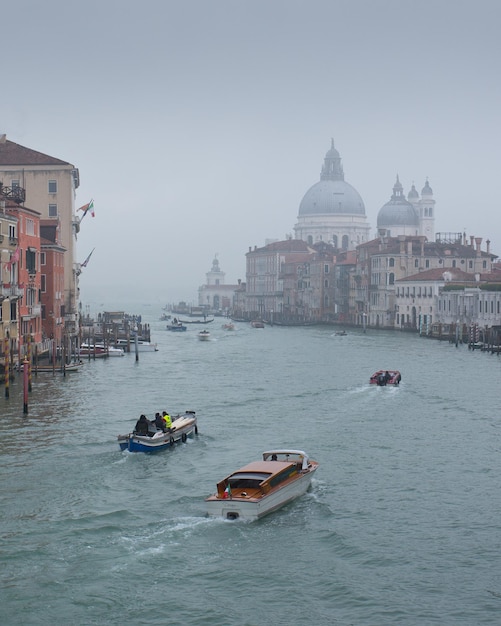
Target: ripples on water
401,526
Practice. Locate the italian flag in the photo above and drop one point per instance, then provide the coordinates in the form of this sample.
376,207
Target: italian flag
227,492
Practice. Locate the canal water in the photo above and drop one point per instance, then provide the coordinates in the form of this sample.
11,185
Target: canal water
402,524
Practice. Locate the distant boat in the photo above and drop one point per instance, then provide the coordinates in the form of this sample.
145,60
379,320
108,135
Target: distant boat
176,327
385,377
204,335
257,324
200,321
229,326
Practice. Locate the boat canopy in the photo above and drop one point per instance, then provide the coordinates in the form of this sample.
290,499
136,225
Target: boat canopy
287,455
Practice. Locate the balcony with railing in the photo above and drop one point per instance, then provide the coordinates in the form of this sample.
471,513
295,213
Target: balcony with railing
16,194
8,290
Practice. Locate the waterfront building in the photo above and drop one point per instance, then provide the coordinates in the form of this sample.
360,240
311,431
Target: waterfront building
50,185
10,291
25,272
384,261
216,296
309,287
448,298
52,286
264,283
332,210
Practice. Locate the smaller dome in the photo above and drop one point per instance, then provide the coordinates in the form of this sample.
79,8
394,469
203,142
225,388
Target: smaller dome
427,190
413,193
397,214
398,211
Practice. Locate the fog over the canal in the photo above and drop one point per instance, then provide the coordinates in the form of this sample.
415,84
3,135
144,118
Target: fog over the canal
198,125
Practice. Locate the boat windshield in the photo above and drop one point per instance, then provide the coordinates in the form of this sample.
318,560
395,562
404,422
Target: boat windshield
247,479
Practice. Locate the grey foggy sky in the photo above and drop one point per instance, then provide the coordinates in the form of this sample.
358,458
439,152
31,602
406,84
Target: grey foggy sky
198,125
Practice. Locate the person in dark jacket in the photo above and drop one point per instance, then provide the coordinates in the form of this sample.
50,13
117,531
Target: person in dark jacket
159,422
142,425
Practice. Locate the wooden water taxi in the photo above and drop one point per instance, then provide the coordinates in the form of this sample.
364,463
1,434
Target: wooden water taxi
262,486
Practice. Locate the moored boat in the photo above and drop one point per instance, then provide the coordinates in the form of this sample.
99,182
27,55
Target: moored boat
263,486
100,349
183,426
385,377
130,345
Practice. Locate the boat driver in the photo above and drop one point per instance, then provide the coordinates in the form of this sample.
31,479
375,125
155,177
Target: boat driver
167,420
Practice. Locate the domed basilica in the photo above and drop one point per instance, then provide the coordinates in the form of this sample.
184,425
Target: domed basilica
332,210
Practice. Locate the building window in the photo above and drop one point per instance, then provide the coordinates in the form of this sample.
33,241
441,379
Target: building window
334,241
14,184
484,265
52,210
345,242
310,240
52,186
12,232
42,258
427,263
391,262
31,261
42,283
416,262
470,264
326,269
30,227
326,283
391,280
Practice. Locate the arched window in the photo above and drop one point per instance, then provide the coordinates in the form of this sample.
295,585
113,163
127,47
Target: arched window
391,279
310,240
345,242
334,240
391,262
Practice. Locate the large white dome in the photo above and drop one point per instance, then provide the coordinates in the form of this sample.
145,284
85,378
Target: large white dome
332,196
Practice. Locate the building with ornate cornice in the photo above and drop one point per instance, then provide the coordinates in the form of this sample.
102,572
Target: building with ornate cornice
332,210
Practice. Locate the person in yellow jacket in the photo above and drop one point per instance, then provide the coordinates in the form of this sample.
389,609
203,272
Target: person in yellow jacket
167,420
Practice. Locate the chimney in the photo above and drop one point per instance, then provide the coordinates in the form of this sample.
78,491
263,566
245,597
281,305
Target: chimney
471,240
3,137
488,244
478,243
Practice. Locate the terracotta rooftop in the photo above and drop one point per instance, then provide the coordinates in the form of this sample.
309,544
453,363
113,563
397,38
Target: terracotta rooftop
13,154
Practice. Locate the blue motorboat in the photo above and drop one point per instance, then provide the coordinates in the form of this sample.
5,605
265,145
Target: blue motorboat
183,426
176,327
